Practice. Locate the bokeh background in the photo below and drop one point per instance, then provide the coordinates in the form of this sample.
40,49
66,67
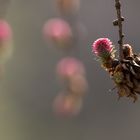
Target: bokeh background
30,84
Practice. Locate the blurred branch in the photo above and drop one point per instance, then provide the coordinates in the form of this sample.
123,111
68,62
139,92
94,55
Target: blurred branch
118,23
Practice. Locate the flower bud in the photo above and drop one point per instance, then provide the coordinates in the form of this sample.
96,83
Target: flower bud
67,105
58,31
5,41
5,31
69,67
102,47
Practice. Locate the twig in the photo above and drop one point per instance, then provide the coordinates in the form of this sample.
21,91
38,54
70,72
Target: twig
118,23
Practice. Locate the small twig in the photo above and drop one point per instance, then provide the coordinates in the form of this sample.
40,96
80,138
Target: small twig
118,23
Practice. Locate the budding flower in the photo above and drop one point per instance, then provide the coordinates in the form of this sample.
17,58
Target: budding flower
69,67
5,41
58,31
5,31
67,105
102,47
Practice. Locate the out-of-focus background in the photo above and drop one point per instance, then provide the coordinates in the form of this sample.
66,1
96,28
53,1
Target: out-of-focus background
30,84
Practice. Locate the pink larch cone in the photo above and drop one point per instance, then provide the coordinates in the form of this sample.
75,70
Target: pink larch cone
67,105
5,41
102,46
58,31
69,67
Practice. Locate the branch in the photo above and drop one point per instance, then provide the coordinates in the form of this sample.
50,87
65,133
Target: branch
118,23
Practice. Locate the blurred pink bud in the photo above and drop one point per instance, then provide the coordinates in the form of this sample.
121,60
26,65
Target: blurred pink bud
102,46
69,67
5,31
5,41
57,30
67,105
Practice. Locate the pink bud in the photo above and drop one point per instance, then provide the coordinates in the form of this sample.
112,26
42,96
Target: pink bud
6,48
67,105
57,30
102,46
5,31
69,66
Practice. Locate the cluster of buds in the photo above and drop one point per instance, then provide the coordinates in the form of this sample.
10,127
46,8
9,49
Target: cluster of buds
125,73
64,32
58,31
5,43
72,72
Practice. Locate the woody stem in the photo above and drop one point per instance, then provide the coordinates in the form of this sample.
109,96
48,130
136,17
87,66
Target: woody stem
119,21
